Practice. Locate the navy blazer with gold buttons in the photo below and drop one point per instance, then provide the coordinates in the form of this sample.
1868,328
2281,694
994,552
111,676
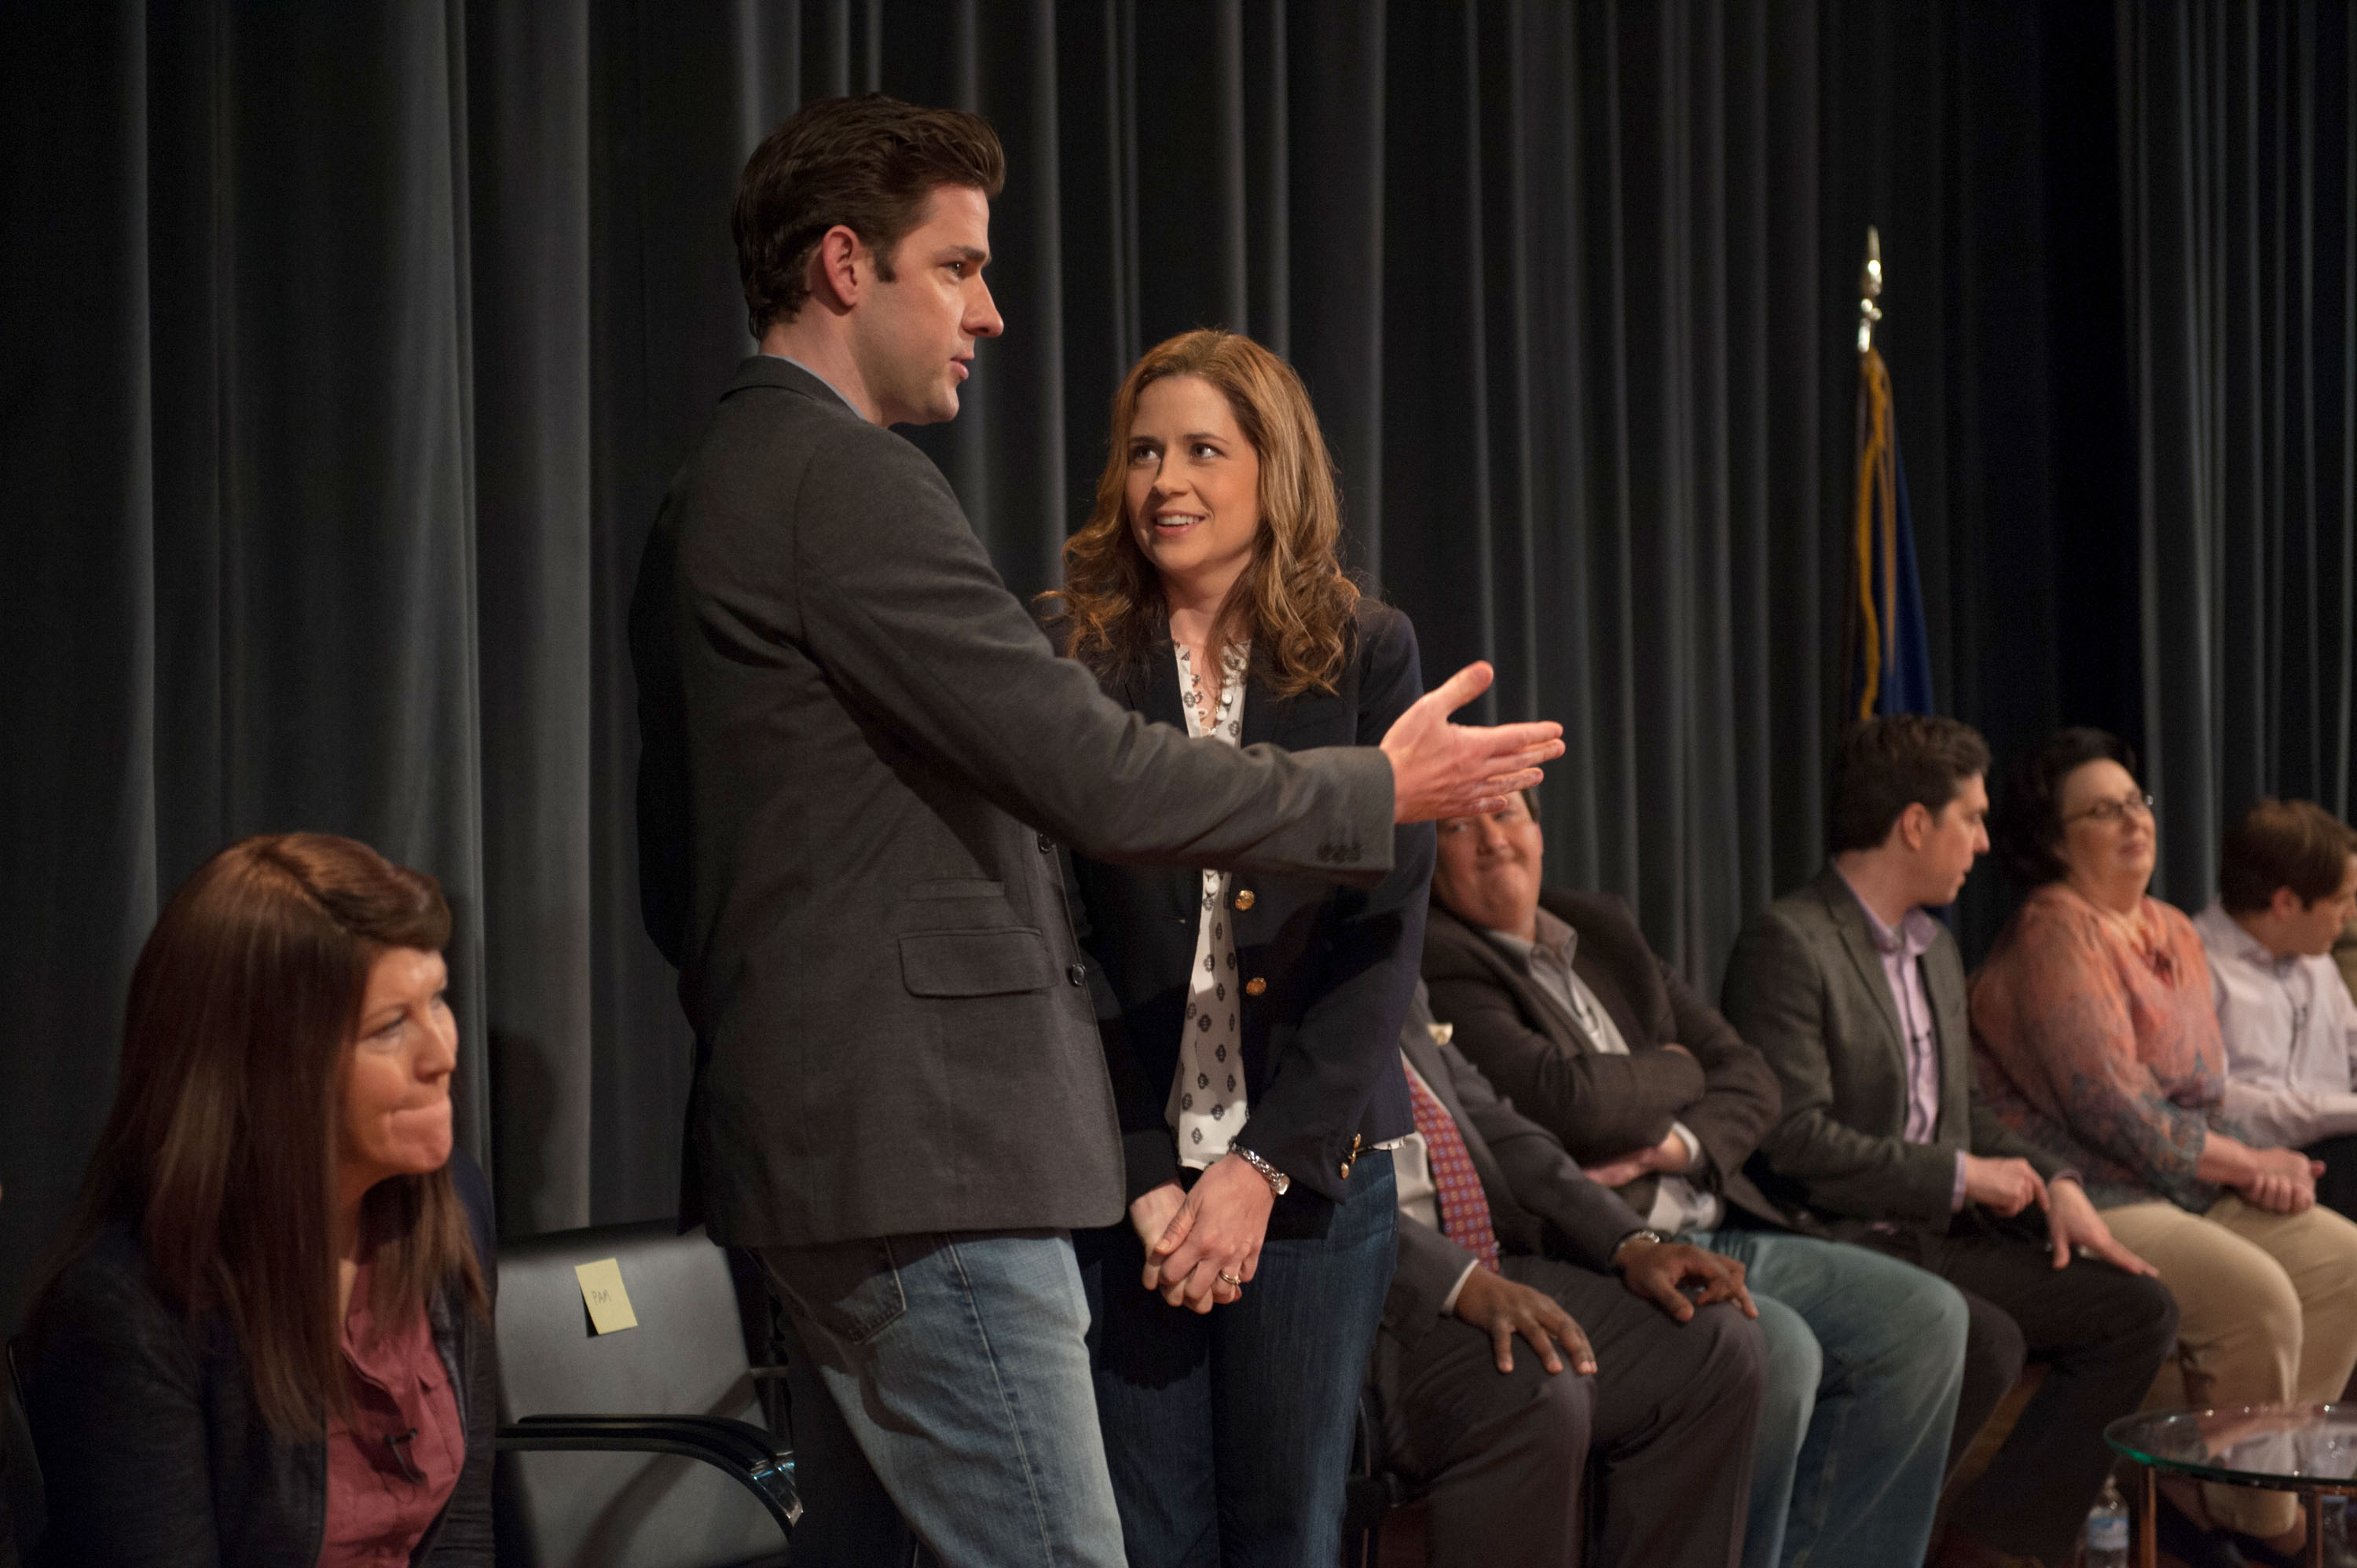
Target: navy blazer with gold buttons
1328,971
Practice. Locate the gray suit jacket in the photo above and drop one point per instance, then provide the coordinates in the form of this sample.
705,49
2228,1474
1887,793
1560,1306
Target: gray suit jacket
1806,987
1540,1200
859,754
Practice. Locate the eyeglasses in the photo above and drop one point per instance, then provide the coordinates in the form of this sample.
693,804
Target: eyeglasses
2109,811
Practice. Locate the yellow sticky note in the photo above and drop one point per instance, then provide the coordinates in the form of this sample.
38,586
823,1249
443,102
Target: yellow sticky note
602,1293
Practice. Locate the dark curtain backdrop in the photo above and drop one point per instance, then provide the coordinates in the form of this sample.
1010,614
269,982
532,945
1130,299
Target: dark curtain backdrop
2240,147
345,353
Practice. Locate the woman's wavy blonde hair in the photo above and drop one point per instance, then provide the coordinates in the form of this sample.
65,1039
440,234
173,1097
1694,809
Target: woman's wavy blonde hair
1294,601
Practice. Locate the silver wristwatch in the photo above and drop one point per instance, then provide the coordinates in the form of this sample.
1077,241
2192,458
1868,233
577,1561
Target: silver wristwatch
1643,1232
1278,1180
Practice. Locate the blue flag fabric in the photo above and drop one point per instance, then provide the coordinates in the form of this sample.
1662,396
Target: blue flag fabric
1886,653
1907,646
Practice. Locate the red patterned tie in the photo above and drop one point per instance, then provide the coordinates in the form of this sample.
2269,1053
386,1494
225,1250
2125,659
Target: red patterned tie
1464,1206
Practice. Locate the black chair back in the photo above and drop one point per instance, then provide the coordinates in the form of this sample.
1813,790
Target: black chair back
22,1507
687,1357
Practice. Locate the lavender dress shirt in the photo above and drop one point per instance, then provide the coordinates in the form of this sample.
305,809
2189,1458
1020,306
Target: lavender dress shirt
1902,950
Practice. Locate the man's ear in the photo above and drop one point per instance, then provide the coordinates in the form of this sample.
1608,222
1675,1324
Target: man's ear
837,271
1915,824
2285,903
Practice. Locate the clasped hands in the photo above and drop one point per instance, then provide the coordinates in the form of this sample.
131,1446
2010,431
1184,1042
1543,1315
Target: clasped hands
1202,1246
2282,1181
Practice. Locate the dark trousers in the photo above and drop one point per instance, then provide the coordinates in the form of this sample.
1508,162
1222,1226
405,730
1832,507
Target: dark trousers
1228,1434
2337,1187
2101,1333
1668,1418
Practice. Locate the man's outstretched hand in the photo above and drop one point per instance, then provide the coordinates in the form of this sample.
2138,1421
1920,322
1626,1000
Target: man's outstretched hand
1441,770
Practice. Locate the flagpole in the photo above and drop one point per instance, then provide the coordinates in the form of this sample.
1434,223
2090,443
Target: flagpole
1869,291
1871,613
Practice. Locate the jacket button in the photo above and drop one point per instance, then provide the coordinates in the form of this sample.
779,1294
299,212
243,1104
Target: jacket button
1077,974
1046,845
1255,986
1345,1171
1244,897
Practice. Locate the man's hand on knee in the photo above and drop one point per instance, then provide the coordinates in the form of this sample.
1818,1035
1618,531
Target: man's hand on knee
1500,1308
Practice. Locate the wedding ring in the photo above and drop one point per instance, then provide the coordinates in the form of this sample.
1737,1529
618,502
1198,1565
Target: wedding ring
1232,1279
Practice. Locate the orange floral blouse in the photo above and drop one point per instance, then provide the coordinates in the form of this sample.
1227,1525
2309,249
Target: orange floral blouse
2101,1045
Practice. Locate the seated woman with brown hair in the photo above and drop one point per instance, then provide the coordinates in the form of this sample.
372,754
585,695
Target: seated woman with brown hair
2095,1037
267,1339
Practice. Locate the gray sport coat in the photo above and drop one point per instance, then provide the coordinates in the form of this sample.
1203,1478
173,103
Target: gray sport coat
859,755
1805,987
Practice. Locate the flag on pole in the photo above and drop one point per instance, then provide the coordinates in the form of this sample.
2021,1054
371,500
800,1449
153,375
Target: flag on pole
1886,653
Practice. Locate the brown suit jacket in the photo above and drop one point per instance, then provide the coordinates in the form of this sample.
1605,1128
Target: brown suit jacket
1602,1106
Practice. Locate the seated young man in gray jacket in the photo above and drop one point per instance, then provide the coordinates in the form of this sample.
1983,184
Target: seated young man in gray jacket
1658,1377
1854,993
1561,1003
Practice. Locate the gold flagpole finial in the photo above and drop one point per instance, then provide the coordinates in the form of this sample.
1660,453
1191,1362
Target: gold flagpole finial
1870,290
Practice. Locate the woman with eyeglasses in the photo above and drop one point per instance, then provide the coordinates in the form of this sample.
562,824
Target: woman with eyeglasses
2096,1036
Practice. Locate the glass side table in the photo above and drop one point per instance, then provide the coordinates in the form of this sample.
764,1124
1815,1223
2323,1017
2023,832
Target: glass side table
2310,1449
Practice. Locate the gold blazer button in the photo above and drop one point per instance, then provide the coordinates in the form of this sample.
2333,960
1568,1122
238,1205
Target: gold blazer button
1255,986
1244,897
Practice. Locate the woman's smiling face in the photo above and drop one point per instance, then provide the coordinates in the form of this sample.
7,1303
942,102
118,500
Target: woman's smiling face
1194,486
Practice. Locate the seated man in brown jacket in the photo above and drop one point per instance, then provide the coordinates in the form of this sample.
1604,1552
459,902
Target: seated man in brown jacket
1855,993
1561,1003
1657,1380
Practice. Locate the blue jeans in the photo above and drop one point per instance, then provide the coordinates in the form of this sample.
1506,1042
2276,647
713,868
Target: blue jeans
944,1380
1865,1359
1229,1434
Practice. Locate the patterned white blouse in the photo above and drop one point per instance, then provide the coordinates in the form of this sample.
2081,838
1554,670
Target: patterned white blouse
1207,1096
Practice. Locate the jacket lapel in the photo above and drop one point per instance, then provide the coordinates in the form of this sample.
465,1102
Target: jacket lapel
1152,689
1266,713
1866,960
1528,994
1943,984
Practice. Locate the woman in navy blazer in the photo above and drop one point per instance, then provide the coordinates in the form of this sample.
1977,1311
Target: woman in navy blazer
1251,1024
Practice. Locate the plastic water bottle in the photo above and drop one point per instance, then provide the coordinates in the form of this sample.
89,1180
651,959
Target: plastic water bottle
2108,1529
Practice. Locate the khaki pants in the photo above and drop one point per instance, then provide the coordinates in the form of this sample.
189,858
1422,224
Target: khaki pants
2266,1311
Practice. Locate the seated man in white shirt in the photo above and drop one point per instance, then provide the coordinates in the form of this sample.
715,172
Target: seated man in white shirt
2286,883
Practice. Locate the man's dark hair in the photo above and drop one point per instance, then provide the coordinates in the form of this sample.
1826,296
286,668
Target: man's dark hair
1886,765
2283,843
2026,826
867,162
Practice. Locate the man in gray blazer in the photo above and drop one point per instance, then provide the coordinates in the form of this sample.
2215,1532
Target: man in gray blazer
859,760
1855,993
1662,1392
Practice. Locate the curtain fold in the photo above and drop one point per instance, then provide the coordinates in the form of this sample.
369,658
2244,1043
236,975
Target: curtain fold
348,352
2236,127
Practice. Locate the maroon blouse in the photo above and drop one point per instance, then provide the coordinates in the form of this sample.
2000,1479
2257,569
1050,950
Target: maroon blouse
395,1461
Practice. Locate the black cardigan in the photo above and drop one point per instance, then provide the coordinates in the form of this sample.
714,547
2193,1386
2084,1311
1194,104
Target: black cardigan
153,1455
1322,1043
